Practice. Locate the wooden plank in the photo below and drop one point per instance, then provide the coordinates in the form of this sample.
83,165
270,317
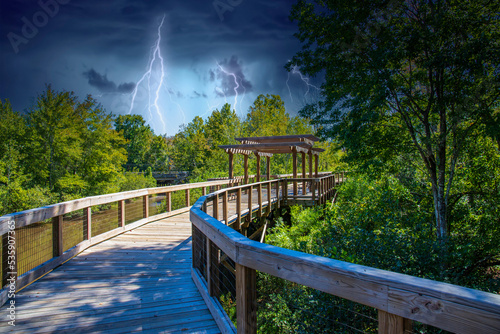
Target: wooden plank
231,175
246,300
145,206
294,158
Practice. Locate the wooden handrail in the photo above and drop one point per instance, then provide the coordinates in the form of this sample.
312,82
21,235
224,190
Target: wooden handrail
399,298
56,211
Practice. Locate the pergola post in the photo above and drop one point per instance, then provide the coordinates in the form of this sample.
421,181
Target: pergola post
310,164
230,164
294,155
258,166
304,175
245,165
268,168
316,164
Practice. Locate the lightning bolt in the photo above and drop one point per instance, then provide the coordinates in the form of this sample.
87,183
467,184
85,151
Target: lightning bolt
305,79
155,57
235,81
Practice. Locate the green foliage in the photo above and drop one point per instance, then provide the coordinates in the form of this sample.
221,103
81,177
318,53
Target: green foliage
136,180
404,79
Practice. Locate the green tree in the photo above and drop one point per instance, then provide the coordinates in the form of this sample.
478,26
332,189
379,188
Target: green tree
190,146
420,75
54,130
139,138
267,117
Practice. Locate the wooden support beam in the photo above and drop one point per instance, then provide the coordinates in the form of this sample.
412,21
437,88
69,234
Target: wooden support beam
121,210
269,197
215,206
238,210
225,207
230,165
268,168
188,200
389,323
316,165
168,199
294,158
277,194
203,191
310,158
249,192
246,300
258,168
57,236
304,175
245,166
259,199
88,221
145,203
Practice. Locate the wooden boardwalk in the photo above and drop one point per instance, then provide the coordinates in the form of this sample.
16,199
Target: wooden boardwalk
139,281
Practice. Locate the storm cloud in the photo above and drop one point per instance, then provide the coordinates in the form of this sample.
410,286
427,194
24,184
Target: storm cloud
101,82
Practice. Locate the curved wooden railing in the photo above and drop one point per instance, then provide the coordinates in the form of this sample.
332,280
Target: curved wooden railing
36,241
400,299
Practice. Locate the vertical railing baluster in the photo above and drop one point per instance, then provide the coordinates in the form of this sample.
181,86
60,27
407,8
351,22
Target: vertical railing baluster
88,219
225,207
121,210
145,203
188,200
168,199
57,236
238,210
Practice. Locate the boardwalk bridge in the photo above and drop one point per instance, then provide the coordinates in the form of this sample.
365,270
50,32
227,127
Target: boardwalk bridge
165,259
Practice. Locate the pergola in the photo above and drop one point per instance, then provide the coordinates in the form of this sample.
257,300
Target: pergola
268,146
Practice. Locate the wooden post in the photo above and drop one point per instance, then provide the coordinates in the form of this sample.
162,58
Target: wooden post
259,199
225,207
121,205
304,175
316,165
313,191
284,191
57,236
215,205
310,158
145,203
88,216
238,210
246,300
268,168
294,156
269,197
169,201
389,323
245,166
188,200
258,166
277,194
230,165
249,191
203,191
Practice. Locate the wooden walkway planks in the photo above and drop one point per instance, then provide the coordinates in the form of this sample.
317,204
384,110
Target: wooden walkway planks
139,281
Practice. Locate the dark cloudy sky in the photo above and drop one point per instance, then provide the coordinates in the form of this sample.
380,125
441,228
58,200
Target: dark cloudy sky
111,49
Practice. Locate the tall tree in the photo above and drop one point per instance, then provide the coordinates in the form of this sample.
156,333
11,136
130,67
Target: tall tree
139,137
418,73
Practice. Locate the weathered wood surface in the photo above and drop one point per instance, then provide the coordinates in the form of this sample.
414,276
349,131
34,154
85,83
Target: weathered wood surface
139,281
399,297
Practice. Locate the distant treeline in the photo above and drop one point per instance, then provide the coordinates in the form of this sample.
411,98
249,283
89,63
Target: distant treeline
64,148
